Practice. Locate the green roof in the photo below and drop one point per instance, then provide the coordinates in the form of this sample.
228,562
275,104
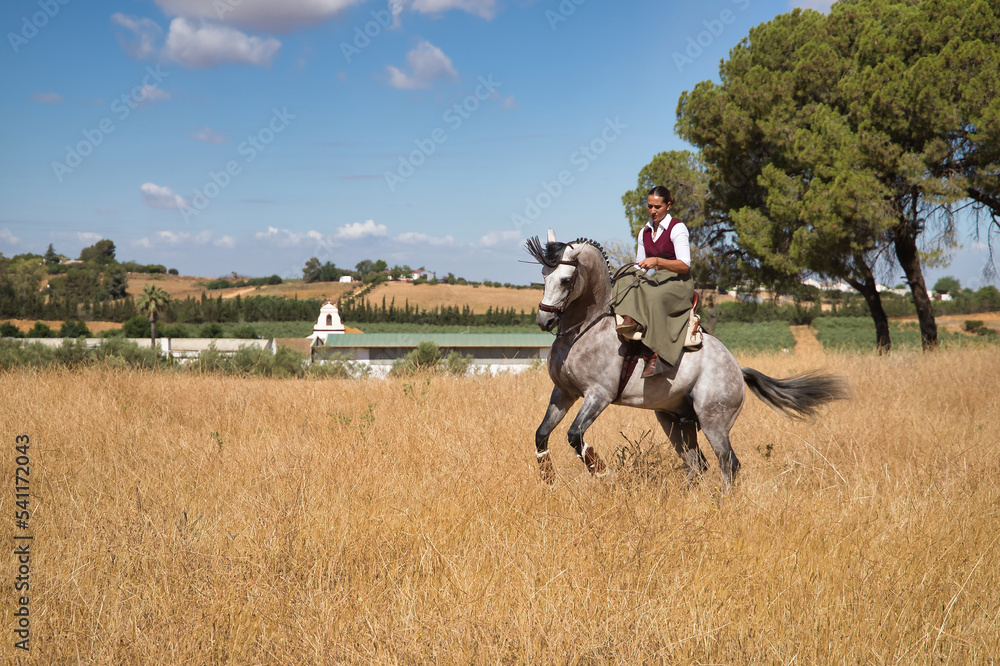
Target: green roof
440,339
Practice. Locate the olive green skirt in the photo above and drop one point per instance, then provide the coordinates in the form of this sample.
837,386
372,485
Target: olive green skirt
660,303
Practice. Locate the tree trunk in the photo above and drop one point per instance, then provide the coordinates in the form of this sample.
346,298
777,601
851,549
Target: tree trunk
905,242
152,333
869,290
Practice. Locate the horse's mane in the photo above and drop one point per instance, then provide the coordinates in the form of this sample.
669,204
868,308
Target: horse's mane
550,254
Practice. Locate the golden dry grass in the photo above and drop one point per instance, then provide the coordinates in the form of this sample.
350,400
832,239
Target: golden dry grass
190,519
95,327
182,286
478,299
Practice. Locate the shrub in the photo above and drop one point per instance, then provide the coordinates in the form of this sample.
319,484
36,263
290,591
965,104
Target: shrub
973,325
424,358
244,331
339,366
32,354
137,327
9,330
210,330
119,352
173,271
40,330
457,364
174,331
74,328
72,353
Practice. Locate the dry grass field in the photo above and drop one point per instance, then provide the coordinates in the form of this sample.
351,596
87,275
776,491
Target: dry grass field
182,286
478,299
204,519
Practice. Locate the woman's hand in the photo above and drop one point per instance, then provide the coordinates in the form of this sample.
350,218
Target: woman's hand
659,263
649,262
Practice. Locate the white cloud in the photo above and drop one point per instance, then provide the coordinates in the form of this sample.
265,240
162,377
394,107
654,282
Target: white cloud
486,9
819,5
173,238
88,237
361,229
207,135
280,237
45,98
143,40
7,237
494,238
266,15
428,64
156,196
198,44
152,94
417,238
167,237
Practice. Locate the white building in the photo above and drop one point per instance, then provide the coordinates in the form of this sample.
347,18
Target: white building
327,323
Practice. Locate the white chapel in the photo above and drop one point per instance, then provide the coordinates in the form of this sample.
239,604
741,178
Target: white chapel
327,323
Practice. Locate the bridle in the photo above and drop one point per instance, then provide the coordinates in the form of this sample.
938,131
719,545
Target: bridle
558,310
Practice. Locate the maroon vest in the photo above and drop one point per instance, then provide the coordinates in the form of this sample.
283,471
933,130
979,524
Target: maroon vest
663,247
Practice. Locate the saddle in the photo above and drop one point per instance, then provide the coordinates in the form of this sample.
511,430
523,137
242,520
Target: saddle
692,339
634,349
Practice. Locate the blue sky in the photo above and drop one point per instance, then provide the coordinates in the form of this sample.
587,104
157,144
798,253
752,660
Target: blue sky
215,136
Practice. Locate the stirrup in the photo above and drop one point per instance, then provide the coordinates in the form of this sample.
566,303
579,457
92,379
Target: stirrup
634,334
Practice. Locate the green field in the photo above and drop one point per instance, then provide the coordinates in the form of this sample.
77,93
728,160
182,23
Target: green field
767,336
858,334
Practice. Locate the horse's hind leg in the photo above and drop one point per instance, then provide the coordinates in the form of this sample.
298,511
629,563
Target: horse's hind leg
716,429
684,436
558,406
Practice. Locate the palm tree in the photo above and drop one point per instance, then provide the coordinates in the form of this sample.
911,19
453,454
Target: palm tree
151,302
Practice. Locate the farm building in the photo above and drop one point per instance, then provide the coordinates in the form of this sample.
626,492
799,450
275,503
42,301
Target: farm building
493,350
177,348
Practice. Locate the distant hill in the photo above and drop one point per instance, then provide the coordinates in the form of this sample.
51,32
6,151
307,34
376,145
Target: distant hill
424,296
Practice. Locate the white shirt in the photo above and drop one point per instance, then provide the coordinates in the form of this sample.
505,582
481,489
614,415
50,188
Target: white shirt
678,236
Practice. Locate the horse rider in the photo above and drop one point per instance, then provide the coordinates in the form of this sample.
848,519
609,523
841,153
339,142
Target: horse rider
656,307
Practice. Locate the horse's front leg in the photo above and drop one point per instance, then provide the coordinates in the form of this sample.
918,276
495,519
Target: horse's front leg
593,405
559,404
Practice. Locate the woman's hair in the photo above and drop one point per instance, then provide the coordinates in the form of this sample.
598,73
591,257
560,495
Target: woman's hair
662,192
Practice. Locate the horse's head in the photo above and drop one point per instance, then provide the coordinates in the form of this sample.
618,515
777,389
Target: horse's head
561,269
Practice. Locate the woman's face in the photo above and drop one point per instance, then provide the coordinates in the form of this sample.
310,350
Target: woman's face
657,208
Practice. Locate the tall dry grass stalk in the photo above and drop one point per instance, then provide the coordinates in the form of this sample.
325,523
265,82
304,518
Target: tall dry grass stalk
186,519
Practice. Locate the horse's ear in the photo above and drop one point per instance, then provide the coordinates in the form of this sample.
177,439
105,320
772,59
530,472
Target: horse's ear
552,236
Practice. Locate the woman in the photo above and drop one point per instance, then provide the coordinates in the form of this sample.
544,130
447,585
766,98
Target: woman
657,306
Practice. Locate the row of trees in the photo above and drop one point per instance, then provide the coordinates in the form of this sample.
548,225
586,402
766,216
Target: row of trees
840,145
366,270
363,311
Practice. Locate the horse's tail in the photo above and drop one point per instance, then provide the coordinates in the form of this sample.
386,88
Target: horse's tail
798,396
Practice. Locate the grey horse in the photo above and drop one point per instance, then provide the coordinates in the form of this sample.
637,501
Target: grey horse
705,388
